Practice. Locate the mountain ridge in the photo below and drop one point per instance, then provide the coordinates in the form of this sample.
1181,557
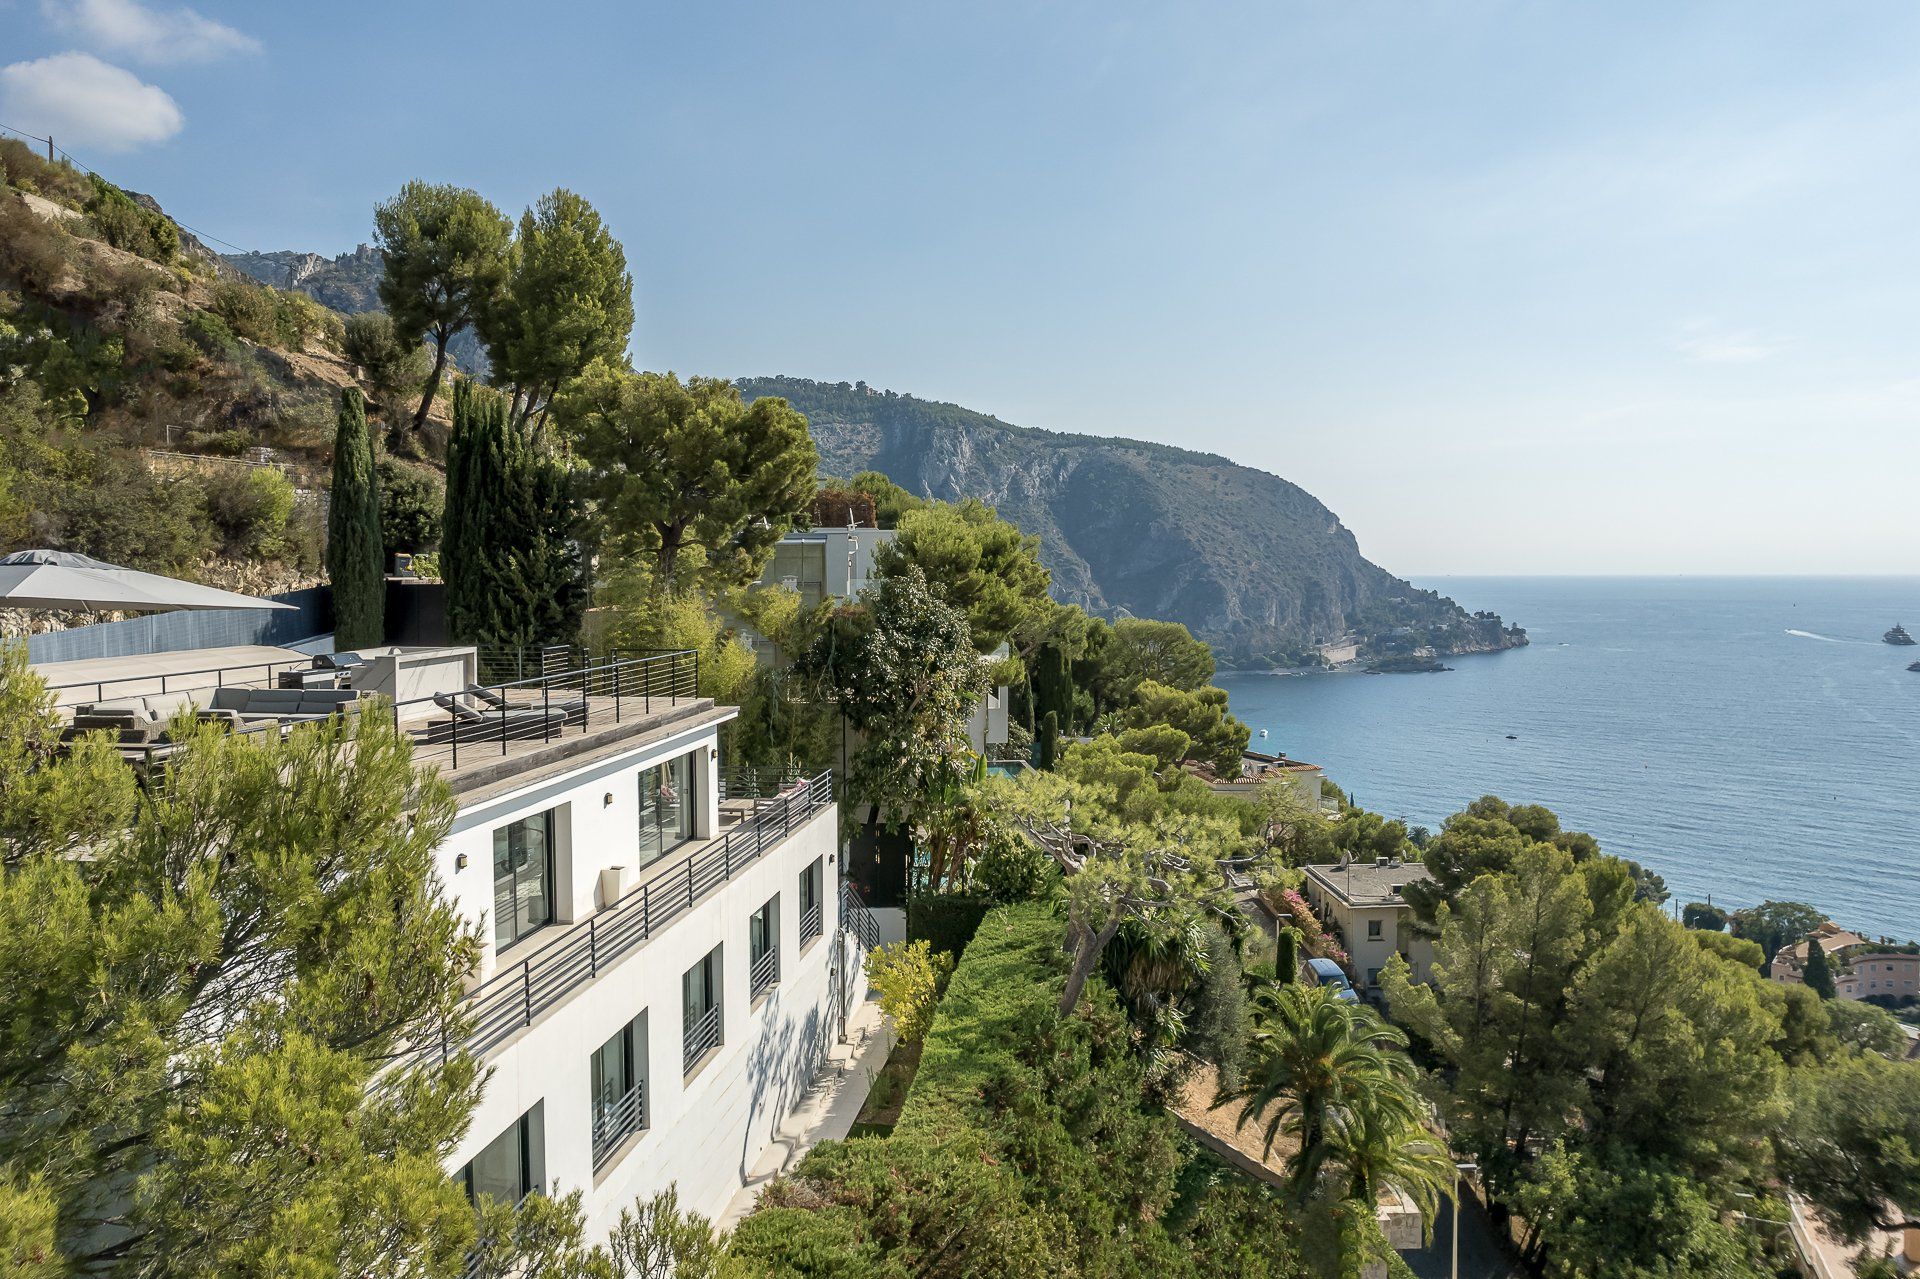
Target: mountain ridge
1248,560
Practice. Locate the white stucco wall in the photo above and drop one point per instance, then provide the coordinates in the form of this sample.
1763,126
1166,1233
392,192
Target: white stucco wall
703,1132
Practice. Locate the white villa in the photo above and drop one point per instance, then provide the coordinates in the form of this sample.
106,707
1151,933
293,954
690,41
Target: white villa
667,954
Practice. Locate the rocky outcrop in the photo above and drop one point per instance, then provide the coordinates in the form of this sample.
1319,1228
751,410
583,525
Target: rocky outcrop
1256,565
349,283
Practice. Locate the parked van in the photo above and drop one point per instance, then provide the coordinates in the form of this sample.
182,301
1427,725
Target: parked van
1325,972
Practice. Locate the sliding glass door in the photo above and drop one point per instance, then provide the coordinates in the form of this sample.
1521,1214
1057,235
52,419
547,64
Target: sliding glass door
666,807
522,879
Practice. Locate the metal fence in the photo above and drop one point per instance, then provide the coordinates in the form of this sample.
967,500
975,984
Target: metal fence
513,999
489,719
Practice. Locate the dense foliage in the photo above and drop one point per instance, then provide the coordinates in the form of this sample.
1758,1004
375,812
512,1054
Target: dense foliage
201,1071
1025,1149
509,540
356,560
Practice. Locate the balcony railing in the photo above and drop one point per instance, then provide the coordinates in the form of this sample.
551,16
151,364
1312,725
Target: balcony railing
490,719
615,1122
810,923
855,918
765,972
515,997
702,1037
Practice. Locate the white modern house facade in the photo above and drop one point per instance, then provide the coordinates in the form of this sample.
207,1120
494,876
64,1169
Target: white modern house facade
663,970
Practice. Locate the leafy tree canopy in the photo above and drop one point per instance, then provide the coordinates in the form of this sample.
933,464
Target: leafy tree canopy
567,302
444,252
978,563
202,1071
1214,736
681,467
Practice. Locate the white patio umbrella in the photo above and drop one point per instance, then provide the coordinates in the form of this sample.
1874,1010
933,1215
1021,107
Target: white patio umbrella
63,579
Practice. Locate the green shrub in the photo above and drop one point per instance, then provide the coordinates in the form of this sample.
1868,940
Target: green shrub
412,501
394,370
23,167
211,334
249,509
297,318
946,921
34,251
907,976
248,310
1009,869
126,224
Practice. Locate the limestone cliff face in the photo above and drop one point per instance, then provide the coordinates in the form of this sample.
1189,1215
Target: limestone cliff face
349,283
1253,563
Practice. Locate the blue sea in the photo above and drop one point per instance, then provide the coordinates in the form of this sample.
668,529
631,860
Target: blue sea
1747,738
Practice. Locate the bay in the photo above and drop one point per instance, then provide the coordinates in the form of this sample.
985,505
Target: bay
1748,738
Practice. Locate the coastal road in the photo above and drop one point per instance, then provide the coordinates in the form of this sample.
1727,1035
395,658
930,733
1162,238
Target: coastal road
1481,1255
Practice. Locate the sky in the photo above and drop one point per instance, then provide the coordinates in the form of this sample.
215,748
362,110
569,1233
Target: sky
1512,287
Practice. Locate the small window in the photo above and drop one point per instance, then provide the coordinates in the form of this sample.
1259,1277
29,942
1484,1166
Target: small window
1373,930
512,1165
619,1080
763,947
700,1019
522,879
812,912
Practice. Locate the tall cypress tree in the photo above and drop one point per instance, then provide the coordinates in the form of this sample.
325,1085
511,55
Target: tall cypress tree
1819,971
354,552
509,549
1286,955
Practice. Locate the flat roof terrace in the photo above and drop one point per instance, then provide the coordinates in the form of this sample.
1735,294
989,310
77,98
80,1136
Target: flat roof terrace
482,737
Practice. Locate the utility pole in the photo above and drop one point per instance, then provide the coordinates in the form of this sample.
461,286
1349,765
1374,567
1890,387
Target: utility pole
49,148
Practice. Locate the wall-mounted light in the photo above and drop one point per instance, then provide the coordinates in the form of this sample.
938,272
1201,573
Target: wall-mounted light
606,801
460,861
713,752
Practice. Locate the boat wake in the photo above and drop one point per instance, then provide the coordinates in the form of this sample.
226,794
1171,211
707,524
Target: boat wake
1824,639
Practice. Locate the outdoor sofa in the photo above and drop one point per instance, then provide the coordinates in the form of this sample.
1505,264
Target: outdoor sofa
486,715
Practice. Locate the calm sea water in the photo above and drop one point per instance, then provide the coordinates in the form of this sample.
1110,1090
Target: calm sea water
1747,738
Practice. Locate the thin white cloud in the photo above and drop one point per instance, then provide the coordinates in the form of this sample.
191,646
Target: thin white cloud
134,30
1709,342
84,102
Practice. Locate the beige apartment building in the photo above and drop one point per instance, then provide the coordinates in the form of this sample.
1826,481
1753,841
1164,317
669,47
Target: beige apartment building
1364,901
1862,968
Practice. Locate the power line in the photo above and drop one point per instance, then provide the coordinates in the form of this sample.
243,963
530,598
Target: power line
76,163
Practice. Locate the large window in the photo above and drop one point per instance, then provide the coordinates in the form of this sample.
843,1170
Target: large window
666,807
619,1071
811,914
513,1164
763,947
700,1019
522,878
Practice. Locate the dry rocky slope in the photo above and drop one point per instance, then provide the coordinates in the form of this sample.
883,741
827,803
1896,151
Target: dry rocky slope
1255,565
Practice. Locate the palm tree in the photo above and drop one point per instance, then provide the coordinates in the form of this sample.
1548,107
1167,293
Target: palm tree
1376,1138
1313,1053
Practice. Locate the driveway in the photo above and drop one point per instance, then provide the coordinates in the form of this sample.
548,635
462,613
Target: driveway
1481,1255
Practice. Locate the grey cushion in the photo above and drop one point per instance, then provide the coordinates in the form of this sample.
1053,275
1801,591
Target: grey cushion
229,699
325,700
272,701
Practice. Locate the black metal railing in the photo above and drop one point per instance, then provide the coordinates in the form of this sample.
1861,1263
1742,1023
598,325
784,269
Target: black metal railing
765,972
489,719
856,919
758,783
171,682
810,923
614,1122
512,999
702,1037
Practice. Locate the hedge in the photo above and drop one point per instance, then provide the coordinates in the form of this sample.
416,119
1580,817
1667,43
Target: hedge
947,921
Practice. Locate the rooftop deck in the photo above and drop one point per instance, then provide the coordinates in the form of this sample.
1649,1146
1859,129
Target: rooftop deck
480,736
